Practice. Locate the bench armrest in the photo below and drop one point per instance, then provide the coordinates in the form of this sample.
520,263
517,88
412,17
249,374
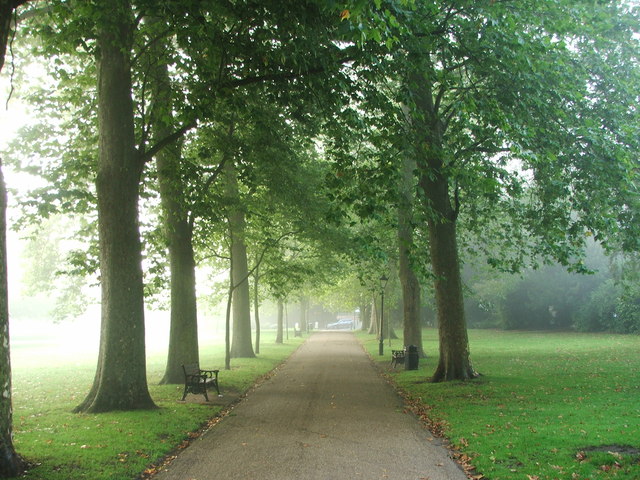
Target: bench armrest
196,378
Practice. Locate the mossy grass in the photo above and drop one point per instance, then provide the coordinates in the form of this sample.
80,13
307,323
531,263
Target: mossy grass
60,445
547,406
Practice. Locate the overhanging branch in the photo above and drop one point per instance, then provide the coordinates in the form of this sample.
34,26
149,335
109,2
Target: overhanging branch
168,140
282,76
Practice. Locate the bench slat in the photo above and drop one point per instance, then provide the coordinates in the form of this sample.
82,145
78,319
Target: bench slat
197,381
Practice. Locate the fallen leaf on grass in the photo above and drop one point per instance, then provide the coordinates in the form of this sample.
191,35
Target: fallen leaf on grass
608,468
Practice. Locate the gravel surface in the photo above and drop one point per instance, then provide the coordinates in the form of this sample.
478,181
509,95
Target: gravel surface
325,414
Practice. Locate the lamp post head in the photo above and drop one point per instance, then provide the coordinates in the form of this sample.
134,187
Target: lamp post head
383,281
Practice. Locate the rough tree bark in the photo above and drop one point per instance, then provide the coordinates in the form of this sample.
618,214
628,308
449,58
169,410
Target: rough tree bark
374,319
183,331
121,380
11,465
412,332
241,346
454,361
256,307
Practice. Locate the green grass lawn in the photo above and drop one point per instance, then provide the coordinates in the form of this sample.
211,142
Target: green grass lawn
120,445
548,405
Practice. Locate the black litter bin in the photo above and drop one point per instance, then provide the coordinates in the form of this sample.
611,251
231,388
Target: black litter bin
411,358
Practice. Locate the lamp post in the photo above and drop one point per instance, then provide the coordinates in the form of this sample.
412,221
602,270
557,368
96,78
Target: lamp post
383,283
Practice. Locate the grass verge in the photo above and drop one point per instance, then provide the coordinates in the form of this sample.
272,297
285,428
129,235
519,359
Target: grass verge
62,445
548,405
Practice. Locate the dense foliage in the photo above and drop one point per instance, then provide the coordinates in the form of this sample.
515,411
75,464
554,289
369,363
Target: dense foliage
301,142
554,298
519,125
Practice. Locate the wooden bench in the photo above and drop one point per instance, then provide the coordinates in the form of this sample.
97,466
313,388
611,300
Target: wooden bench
397,356
197,380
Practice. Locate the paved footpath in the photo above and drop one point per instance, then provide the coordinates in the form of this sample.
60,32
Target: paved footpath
326,414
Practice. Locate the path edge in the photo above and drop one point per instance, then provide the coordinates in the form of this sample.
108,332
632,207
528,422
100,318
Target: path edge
165,461
422,413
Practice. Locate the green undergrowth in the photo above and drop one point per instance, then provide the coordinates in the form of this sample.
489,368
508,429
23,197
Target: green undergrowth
60,445
547,405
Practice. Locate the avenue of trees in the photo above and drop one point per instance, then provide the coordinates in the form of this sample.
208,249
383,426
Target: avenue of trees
297,145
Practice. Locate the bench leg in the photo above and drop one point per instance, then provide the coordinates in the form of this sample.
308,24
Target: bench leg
214,383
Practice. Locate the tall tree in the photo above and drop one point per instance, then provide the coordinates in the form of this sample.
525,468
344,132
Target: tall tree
491,86
256,306
412,332
11,464
280,321
121,379
178,226
241,341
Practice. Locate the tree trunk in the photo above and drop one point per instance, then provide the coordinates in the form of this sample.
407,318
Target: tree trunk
183,332
412,331
365,317
390,334
256,308
304,314
7,8
227,323
374,319
286,319
121,380
241,346
455,362
11,465
280,328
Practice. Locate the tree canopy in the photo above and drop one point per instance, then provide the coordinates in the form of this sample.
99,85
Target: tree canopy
314,139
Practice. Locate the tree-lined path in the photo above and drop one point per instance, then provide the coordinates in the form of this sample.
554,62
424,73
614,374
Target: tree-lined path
326,414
